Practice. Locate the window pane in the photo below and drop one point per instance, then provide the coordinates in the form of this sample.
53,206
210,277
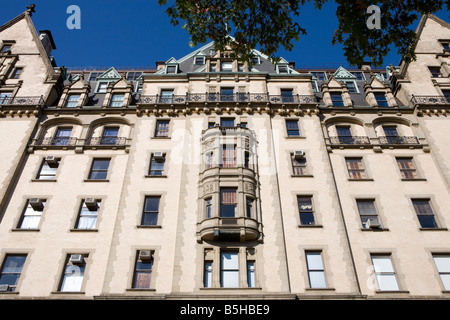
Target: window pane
208,275
151,204
73,278
387,282
251,274
230,269
317,279
314,260
442,263
11,270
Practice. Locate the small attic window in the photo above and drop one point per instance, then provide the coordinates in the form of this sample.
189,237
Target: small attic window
171,69
200,61
256,60
282,69
6,48
446,45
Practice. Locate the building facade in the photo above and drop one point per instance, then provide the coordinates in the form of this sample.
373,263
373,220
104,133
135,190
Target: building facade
207,178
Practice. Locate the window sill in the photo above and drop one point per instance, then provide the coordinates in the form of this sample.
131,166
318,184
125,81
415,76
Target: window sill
140,290
96,180
374,229
222,288
302,176
68,292
161,138
433,229
418,179
391,292
320,289
83,230
42,180
155,176
310,226
365,179
25,230
295,137
148,227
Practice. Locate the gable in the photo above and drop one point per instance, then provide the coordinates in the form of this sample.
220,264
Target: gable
342,73
110,74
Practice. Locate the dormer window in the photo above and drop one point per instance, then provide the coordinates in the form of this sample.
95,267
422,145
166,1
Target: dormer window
336,98
117,100
171,69
72,101
381,99
435,72
6,48
282,69
199,61
351,86
102,86
320,75
256,60
226,66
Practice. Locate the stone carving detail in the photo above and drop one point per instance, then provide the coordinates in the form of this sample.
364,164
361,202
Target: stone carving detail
208,188
249,187
209,144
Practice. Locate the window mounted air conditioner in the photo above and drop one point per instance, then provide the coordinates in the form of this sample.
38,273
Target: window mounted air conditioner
51,160
373,223
36,203
4,287
299,154
76,259
145,255
159,156
90,203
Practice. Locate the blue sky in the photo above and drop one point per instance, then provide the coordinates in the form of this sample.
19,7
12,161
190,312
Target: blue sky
138,33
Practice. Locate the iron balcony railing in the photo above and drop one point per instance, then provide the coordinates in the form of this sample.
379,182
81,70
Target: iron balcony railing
216,97
350,140
398,140
58,141
430,100
106,141
22,101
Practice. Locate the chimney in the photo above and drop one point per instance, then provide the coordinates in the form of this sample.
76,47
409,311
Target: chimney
366,66
47,41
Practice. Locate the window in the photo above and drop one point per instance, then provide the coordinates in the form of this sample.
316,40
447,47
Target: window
320,75
227,122
209,161
368,213
228,156
316,271
199,60
424,213
73,274
407,168
384,273
143,269
282,69
446,45
11,270
109,136
359,75
287,95
117,100
93,76
162,128
240,67
208,207
99,169
381,99
228,202
171,69
87,217
435,72
131,76
62,137
151,211
351,86
256,60
292,128
4,97
226,66
344,134
229,269
102,86
251,280
139,87
390,131
207,277
337,100
446,94
249,208
32,214
166,96
306,210
443,266
16,74
212,67
226,94
298,165
48,168
72,101
355,168
157,164
6,48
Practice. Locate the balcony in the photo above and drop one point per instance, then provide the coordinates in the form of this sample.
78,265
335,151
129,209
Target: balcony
350,140
240,229
58,142
398,140
430,100
106,141
21,101
226,98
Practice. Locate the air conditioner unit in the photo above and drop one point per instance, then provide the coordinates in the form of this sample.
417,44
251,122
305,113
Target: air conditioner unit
158,156
90,203
299,154
145,255
373,223
4,287
76,258
36,203
51,160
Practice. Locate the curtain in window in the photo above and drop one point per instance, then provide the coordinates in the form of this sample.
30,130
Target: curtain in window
230,269
228,196
229,157
88,218
31,218
73,278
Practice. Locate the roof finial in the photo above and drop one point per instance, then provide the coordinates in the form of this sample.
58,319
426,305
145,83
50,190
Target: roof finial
30,9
